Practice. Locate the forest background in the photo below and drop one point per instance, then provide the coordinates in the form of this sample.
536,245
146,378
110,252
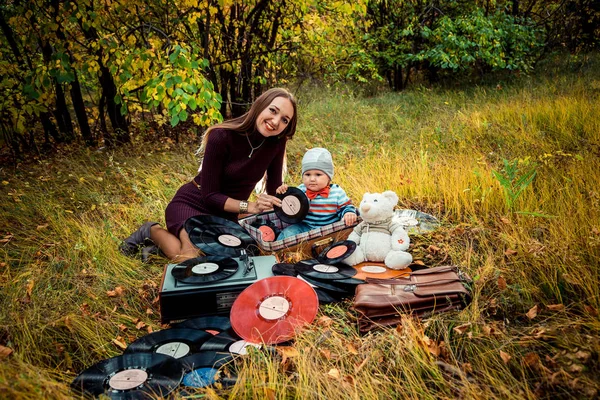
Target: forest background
482,113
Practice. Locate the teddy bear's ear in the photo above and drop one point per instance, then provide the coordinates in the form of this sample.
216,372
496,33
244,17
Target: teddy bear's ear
391,196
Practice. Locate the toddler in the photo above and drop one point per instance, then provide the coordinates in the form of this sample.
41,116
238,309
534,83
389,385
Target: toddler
328,202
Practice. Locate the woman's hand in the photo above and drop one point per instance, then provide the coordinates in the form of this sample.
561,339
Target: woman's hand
282,189
264,203
350,218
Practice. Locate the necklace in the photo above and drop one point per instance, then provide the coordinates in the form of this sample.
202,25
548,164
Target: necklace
252,147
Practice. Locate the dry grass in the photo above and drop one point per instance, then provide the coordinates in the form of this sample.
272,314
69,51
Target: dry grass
63,217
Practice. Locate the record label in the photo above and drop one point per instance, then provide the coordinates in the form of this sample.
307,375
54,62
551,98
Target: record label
337,251
241,347
373,269
267,233
326,269
290,205
128,379
200,377
205,268
229,240
174,349
274,307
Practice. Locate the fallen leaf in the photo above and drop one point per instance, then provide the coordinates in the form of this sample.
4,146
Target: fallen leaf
510,252
419,262
350,379
432,346
287,352
433,249
576,368
140,325
40,227
531,359
501,283
505,220
30,284
326,353
583,355
351,348
149,311
324,321
467,367
591,310
122,327
149,329
120,343
505,357
5,352
270,394
555,307
461,328
334,373
533,311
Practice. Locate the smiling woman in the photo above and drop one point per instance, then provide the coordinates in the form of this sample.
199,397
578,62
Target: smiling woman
236,155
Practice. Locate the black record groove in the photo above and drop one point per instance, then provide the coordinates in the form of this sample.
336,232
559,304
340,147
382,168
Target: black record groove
204,269
318,270
337,252
331,285
284,269
220,342
131,376
205,359
174,342
219,236
326,297
294,206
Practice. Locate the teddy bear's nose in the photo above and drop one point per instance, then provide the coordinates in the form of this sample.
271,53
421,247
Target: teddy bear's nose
365,207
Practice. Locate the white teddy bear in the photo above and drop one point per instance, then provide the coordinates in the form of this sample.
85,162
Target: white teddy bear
380,237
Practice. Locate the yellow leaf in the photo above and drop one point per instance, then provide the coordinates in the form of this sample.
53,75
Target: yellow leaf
510,252
556,307
287,352
5,352
532,313
501,283
505,357
462,328
120,343
40,227
334,373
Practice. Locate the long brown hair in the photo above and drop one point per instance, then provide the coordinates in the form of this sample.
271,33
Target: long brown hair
246,123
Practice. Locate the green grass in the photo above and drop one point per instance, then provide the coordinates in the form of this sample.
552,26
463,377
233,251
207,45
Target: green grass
437,148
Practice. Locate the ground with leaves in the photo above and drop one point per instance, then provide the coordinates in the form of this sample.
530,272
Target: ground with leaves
530,239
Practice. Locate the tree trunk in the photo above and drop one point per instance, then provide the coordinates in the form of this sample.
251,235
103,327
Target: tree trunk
118,121
80,112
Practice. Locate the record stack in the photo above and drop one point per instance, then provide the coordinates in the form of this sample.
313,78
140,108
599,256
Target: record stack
331,280
193,354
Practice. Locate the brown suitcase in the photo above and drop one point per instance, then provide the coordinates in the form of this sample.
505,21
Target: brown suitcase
381,302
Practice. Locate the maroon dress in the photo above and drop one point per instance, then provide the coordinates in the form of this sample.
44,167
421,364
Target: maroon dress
227,171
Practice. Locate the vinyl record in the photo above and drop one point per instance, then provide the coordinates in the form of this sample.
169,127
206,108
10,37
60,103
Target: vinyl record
272,309
337,252
326,297
131,376
201,270
416,222
174,342
318,270
294,206
329,285
213,324
377,270
219,236
220,342
205,359
284,269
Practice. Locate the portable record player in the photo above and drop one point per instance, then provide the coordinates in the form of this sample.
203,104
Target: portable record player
180,300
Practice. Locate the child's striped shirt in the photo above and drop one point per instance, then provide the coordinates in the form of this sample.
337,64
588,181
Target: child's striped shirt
325,211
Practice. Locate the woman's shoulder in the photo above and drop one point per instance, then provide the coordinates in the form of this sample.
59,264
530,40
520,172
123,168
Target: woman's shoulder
219,135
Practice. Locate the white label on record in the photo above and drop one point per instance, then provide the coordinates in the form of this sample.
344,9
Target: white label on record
205,268
128,379
373,269
290,205
274,307
241,346
229,240
327,269
174,349
408,221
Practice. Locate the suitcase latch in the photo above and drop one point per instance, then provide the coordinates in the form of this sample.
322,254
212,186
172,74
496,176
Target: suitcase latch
410,288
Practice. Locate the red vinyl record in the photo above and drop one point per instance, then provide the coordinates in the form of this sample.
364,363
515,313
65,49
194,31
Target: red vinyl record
272,309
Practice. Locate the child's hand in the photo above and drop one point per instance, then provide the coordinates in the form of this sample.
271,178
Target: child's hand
282,189
350,219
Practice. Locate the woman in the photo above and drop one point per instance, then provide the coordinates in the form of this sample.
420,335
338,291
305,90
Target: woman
236,155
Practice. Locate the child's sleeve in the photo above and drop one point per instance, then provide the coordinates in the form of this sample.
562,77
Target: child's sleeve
344,203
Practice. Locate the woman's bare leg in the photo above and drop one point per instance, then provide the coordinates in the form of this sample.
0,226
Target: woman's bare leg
176,249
